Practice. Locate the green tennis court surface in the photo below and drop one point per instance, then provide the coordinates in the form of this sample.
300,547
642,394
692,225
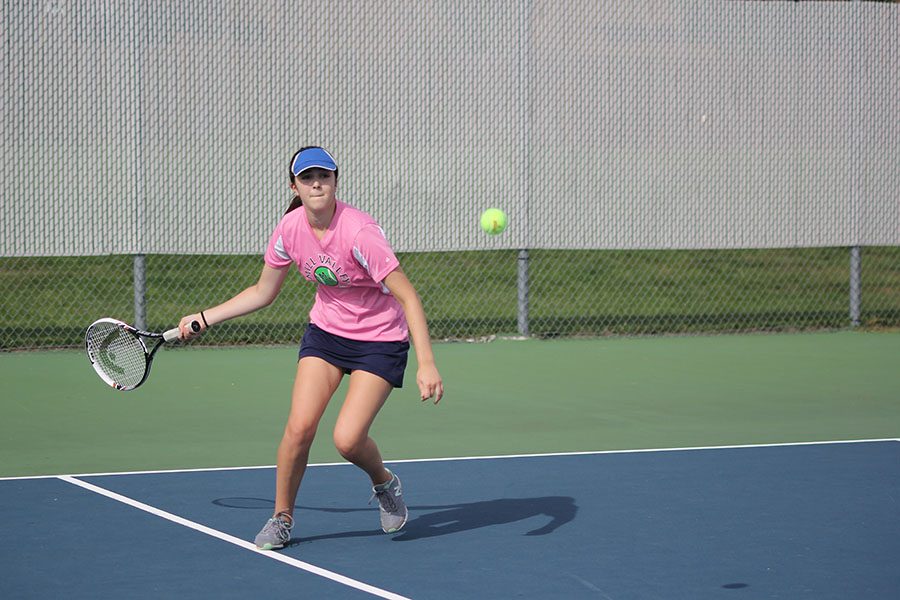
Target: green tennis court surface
226,407
764,519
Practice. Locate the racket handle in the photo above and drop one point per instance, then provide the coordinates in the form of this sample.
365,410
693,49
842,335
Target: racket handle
174,333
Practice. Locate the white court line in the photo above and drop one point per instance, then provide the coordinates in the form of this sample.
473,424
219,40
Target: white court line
645,450
452,458
365,587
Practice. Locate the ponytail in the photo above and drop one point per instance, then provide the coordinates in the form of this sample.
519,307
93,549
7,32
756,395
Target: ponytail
295,204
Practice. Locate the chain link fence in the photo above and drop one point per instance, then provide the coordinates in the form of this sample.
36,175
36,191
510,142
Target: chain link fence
47,302
667,167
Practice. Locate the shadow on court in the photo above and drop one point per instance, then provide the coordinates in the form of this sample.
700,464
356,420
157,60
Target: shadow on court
445,519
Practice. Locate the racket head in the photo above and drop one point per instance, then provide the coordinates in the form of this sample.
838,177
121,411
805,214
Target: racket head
117,353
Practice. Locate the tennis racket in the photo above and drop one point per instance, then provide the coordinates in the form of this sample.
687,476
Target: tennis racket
119,351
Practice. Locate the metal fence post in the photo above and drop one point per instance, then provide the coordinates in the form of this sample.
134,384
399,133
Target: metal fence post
855,282
522,286
140,268
525,81
140,291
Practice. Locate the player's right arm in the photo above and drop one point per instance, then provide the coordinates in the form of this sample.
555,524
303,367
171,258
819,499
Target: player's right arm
255,297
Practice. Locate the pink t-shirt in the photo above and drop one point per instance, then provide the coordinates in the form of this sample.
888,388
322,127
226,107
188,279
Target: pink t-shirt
349,265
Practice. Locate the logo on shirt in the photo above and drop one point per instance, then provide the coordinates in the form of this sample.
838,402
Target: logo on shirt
325,276
324,270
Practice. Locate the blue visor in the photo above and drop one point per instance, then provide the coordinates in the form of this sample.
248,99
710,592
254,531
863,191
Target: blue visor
313,158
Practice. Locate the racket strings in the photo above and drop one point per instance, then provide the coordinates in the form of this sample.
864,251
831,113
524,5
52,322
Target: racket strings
116,353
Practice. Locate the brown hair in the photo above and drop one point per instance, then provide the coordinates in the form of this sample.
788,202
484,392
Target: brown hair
296,202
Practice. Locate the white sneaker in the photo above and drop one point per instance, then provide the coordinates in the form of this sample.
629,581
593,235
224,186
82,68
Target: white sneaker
391,505
276,533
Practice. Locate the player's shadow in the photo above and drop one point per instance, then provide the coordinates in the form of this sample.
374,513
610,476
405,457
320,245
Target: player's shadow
431,521
445,520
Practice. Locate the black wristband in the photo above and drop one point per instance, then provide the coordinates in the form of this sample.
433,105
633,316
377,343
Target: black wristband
202,316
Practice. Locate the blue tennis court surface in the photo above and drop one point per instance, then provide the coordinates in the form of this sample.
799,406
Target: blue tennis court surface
791,521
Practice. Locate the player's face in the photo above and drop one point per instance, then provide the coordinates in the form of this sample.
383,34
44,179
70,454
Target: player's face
315,187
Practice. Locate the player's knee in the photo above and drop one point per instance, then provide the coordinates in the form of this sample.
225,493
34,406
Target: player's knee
299,433
348,443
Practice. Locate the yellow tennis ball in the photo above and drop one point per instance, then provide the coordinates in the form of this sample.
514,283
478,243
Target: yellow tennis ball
493,221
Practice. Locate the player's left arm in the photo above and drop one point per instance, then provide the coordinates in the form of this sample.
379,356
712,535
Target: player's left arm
428,378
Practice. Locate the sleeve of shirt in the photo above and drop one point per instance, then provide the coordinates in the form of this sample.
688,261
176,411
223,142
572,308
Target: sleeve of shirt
374,253
276,256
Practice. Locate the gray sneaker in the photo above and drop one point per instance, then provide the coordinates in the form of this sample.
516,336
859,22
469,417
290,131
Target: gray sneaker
391,505
276,533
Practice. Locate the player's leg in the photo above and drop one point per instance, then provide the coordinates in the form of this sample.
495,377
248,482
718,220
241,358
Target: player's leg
366,395
314,385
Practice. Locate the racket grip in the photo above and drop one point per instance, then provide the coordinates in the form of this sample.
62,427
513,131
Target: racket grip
174,333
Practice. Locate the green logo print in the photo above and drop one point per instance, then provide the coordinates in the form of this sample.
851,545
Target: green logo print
325,276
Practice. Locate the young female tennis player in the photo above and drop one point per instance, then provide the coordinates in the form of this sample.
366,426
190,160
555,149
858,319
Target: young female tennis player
364,313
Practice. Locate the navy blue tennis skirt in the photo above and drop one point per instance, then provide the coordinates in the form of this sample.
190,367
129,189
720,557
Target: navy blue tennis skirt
385,359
